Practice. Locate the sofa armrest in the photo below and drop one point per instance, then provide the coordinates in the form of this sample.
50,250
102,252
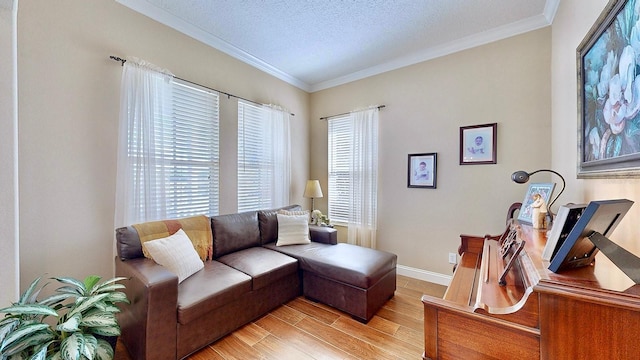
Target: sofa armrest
323,234
149,323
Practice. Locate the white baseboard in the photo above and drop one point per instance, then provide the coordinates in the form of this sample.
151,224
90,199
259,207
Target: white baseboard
424,275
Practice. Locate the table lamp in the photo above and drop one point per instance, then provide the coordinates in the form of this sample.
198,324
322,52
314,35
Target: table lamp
312,190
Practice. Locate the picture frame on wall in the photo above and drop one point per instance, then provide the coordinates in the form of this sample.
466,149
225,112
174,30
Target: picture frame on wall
609,94
421,170
478,144
543,189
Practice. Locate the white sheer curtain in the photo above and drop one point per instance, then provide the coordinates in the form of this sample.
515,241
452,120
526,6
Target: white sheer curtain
145,94
278,122
363,182
264,157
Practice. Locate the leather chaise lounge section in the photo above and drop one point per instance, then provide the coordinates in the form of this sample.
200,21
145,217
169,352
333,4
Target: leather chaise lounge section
248,277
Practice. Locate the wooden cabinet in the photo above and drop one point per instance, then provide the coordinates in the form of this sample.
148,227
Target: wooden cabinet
587,313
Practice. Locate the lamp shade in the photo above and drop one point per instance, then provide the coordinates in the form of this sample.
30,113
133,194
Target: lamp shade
313,189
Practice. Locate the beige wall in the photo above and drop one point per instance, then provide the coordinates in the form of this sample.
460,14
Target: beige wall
9,266
426,104
68,103
68,106
572,22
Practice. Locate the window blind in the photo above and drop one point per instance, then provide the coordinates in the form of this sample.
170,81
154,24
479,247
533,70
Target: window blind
255,164
186,155
194,157
339,147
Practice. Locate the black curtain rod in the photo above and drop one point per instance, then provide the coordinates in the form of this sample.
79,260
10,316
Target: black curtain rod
332,116
122,61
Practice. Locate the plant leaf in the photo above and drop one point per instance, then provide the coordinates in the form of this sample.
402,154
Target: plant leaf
71,347
101,288
75,283
107,307
86,303
117,296
104,351
33,299
99,320
26,296
70,290
72,324
90,346
54,299
29,309
34,340
90,282
106,331
108,288
41,353
6,326
21,332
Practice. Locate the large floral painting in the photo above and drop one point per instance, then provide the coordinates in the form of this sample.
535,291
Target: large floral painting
609,82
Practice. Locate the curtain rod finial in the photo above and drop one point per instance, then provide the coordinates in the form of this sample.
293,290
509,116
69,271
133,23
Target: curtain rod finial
116,58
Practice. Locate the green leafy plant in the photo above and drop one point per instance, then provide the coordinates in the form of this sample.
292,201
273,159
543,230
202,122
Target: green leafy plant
70,324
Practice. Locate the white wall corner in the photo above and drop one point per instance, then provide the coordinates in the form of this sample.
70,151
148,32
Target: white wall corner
424,275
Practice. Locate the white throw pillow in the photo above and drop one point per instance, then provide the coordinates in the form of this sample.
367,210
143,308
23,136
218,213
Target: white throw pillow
176,253
293,229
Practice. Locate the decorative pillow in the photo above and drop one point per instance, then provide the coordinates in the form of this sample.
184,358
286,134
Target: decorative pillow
293,229
268,223
176,253
296,212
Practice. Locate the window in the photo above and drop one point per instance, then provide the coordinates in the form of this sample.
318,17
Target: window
339,147
263,157
353,174
192,156
175,170
168,158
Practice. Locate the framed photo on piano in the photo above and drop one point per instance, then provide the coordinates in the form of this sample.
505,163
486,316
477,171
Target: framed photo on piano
544,190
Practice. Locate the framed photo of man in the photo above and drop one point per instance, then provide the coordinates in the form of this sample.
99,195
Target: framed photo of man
478,144
421,170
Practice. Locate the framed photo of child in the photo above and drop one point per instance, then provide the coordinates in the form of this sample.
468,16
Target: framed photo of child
535,191
478,144
422,170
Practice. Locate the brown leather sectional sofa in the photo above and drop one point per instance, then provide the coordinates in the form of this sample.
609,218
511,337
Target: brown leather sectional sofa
248,277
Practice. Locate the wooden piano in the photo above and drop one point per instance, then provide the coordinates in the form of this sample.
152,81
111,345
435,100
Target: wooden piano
587,313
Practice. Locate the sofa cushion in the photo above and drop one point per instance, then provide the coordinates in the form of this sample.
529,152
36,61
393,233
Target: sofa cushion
128,243
346,263
234,232
176,253
263,265
210,288
268,222
292,229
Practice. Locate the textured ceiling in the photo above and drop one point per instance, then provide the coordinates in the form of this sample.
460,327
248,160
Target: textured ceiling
316,44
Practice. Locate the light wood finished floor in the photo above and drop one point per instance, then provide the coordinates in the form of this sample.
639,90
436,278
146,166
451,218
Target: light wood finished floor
302,329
